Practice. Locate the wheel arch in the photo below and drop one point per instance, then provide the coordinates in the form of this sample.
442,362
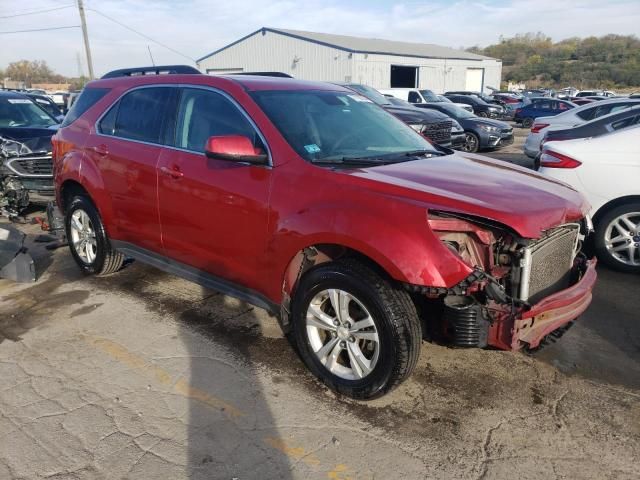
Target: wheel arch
615,203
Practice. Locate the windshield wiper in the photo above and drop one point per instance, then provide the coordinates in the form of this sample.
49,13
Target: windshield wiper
395,157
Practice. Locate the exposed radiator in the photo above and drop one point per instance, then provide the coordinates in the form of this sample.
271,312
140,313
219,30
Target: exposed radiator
547,263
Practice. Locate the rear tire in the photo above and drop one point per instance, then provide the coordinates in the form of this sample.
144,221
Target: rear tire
527,122
616,229
88,240
483,114
370,344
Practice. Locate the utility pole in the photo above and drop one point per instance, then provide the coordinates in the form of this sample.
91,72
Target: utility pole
83,21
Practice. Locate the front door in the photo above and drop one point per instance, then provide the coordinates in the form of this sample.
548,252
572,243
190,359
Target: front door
214,213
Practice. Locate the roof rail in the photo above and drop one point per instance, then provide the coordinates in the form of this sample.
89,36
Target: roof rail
155,70
264,74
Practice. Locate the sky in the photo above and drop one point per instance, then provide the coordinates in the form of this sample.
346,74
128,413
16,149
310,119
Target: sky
194,28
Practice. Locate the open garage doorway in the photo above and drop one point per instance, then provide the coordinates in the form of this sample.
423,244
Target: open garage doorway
404,77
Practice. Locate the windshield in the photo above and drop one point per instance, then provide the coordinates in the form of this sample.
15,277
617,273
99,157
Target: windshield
22,112
429,96
371,93
324,125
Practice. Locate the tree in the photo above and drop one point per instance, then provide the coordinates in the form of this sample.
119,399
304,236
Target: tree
599,62
30,72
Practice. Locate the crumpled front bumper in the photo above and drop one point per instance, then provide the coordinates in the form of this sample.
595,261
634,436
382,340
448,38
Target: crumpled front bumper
554,311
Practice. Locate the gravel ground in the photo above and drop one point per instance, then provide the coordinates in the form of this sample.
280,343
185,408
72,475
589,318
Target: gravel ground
143,375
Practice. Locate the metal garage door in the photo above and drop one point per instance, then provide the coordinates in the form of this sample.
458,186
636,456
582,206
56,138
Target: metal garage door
475,79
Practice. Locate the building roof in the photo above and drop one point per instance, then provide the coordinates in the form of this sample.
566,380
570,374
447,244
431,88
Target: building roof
367,45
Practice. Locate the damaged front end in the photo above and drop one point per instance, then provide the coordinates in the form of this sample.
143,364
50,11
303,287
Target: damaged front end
26,175
521,291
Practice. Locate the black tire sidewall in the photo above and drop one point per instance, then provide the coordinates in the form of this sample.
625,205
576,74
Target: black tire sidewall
322,278
599,242
527,122
83,203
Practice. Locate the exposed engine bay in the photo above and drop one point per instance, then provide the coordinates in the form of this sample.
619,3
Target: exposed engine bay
511,275
25,174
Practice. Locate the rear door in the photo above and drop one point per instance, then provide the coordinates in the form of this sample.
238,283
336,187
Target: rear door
214,213
127,148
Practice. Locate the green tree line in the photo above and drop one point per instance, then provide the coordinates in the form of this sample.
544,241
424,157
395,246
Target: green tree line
37,71
594,62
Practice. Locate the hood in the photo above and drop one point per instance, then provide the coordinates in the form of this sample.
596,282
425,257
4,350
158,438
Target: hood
521,199
417,114
37,139
490,122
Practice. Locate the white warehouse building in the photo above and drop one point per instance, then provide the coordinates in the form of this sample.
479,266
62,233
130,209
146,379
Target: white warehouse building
339,58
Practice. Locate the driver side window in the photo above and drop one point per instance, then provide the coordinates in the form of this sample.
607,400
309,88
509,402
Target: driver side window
203,114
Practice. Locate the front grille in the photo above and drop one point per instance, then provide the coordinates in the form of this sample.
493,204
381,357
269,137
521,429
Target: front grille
439,132
547,263
32,166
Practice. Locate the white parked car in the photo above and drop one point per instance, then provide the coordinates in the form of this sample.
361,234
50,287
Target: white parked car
607,170
571,118
420,95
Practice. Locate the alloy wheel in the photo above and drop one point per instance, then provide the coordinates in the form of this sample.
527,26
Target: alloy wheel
470,143
83,236
342,334
622,238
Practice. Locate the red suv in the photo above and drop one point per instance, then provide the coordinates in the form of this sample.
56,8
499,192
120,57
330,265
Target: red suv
312,202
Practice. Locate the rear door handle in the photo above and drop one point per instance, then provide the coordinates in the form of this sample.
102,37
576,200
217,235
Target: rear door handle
101,149
172,172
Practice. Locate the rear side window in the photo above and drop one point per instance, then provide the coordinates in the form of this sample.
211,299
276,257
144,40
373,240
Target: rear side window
588,114
414,97
85,101
140,115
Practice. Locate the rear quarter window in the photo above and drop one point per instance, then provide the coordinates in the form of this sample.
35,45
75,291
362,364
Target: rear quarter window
87,99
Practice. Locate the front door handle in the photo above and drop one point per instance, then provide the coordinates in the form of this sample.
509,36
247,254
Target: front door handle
174,172
101,149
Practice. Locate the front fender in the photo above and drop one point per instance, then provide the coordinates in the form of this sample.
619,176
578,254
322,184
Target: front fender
406,249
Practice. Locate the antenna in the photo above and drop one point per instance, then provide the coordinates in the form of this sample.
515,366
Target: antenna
152,62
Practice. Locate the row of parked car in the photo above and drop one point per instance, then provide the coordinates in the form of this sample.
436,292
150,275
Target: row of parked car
595,148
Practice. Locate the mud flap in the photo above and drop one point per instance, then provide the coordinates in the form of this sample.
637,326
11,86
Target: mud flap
15,263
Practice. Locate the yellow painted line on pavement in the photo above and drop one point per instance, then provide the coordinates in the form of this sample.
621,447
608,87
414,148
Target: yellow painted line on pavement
182,387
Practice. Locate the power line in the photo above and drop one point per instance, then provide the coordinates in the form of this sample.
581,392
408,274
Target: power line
141,34
39,29
36,12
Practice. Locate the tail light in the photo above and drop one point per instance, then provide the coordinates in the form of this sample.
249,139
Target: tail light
538,126
551,159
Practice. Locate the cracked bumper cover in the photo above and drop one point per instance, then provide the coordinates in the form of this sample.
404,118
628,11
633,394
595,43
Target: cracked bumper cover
554,311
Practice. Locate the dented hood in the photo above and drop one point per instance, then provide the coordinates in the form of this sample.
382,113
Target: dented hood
517,197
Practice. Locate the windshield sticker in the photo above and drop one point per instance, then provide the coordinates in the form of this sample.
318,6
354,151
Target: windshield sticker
19,100
360,98
313,148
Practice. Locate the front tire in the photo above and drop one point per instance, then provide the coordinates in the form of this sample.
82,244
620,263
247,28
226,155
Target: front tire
527,122
617,238
471,142
88,240
358,333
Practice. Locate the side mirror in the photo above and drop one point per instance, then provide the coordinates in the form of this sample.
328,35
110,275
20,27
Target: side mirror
234,148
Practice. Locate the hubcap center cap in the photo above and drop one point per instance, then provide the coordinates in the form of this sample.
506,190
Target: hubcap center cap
343,333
